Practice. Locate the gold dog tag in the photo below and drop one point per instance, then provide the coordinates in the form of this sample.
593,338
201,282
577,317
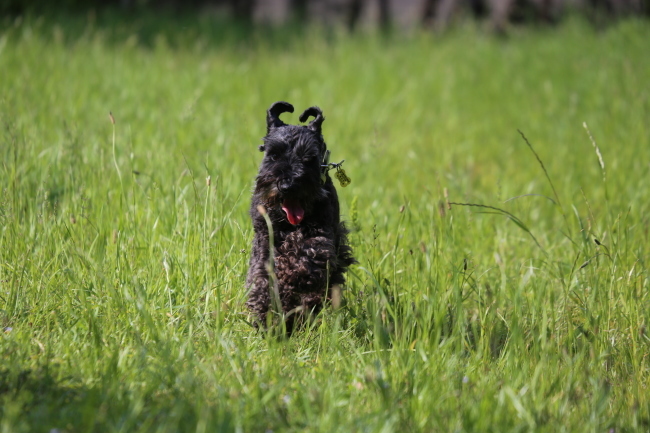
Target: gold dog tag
343,178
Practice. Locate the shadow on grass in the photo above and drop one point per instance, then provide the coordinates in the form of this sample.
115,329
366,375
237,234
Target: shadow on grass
34,400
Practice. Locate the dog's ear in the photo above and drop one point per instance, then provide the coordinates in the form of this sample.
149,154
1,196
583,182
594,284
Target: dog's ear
314,125
273,114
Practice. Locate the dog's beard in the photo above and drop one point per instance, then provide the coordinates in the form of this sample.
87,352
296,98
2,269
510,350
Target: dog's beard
293,207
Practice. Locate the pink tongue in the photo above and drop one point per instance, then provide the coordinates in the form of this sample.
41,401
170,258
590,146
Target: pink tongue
294,211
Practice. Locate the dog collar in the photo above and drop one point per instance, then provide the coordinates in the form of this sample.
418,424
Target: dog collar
325,166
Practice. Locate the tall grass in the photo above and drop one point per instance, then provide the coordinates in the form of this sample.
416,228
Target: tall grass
124,238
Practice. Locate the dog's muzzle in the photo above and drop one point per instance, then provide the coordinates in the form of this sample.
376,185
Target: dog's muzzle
294,210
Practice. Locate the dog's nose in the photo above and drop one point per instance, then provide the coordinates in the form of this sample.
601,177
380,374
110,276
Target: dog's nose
284,185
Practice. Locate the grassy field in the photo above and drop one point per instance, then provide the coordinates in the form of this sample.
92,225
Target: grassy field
122,269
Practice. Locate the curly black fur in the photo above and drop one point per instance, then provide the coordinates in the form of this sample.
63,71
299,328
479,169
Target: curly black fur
311,252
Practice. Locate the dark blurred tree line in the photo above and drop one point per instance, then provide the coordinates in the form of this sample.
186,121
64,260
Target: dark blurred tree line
352,13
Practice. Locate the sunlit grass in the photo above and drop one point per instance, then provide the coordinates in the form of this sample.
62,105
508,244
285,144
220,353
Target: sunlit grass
124,246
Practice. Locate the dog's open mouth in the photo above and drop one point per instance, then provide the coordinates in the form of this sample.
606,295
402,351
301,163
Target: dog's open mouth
294,211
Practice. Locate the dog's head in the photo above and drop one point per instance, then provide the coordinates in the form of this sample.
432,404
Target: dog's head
291,174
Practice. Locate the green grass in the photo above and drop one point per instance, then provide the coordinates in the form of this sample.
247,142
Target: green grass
122,270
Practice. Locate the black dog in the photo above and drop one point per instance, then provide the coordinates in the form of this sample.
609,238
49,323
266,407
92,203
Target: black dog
310,250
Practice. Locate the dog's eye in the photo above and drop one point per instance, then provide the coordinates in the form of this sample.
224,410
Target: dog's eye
272,157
